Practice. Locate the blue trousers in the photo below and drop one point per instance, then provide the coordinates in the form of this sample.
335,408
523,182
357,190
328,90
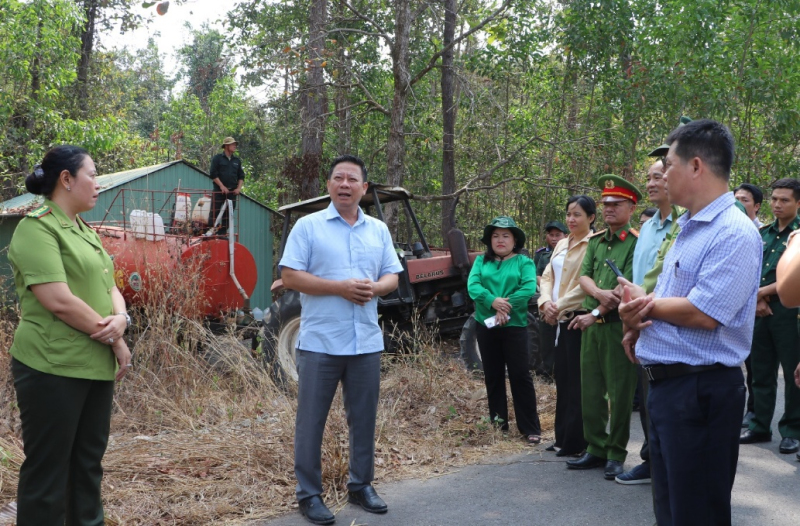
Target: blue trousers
319,376
695,421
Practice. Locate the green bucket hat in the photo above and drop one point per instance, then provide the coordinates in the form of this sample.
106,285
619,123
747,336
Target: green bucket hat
503,222
662,150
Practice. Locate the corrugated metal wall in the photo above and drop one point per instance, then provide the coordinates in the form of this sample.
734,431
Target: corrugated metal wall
254,230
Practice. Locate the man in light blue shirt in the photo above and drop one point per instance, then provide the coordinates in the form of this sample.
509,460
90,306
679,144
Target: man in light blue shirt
695,331
653,231
340,261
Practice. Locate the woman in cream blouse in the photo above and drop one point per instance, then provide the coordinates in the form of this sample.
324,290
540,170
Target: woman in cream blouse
560,301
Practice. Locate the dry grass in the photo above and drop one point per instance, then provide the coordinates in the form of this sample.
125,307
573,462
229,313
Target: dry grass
195,443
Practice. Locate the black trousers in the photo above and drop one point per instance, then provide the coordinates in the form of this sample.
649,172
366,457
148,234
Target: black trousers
65,427
547,341
644,390
507,348
695,421
569,415
216,206
751,404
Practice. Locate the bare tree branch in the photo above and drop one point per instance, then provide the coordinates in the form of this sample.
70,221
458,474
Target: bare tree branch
375,104
351,30
485,175
365,18
459,38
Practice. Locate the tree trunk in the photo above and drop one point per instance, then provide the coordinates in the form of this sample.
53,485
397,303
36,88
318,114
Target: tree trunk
395,147
342,98
33,102
448,120
87,46
314,101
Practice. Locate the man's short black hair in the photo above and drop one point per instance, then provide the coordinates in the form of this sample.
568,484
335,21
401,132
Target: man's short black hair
791,184
758,195
649,211
709,140
349,159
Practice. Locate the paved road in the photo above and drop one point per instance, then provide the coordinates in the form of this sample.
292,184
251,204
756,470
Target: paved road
536,489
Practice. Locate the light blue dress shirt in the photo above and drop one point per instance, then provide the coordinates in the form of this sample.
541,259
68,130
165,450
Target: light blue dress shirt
325,245
716,264
651,236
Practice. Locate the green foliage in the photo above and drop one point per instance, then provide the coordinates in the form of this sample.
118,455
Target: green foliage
566,90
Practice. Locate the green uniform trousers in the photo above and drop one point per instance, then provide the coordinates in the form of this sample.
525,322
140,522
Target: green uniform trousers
65,426
607,378
775,342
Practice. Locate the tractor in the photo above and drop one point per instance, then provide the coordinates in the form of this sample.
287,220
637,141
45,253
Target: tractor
432,289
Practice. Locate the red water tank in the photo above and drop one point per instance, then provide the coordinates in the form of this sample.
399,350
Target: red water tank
188,274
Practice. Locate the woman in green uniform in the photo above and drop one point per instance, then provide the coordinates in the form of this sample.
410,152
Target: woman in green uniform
501,283
68,348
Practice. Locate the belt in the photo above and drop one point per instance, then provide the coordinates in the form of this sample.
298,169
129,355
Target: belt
610,317
570,315
673,370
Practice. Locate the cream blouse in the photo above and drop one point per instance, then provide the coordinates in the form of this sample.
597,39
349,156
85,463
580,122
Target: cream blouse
570,293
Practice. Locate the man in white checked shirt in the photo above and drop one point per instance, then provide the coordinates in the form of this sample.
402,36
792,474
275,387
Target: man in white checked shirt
696,329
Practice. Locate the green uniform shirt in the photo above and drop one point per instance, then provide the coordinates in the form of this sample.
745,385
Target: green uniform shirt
618,247
513,278
774,246
651,277
229,171
541,258
47,247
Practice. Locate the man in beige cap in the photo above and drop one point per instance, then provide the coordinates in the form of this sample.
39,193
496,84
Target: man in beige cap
226,171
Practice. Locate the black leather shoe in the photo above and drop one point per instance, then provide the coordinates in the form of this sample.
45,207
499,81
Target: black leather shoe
747,417
315,511
789,445
587,461
751,437
613,468
368,499
551,447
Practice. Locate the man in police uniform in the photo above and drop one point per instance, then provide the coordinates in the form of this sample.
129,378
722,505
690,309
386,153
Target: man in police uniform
556,231
775,336
226,171
605,370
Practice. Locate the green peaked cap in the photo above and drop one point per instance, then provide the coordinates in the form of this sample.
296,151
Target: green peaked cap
618,188
662,150
503,222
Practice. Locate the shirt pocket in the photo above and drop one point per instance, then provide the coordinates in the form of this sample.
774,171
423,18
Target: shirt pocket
370,259
65,345
684,281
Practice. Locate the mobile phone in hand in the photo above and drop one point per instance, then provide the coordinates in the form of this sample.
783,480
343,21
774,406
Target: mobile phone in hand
614,268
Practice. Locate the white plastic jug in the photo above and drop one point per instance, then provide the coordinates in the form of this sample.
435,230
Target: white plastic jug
154,227
202,209
138,223
183,207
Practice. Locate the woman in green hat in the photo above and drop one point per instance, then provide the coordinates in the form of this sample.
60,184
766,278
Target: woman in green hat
501,282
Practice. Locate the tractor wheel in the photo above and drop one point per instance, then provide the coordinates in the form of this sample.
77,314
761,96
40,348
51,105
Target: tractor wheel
471,354
279,338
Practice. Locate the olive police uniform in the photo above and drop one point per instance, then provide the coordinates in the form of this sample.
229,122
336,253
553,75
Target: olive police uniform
229,172
64,379
607,376
545,361
775,341
606,373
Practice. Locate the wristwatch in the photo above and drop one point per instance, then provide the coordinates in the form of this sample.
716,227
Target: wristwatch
596,313
127,317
